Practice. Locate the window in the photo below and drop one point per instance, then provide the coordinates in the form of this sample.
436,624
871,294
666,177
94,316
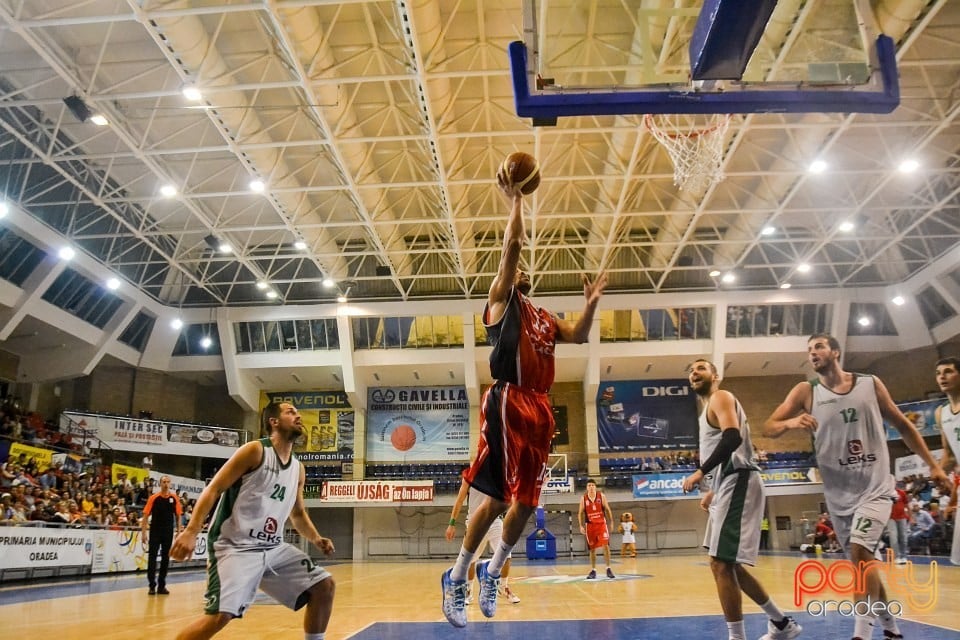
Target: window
138,331
80,297
933,307
286,335
870,319
198,340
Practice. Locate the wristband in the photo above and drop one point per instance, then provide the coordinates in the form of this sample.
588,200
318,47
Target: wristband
453,522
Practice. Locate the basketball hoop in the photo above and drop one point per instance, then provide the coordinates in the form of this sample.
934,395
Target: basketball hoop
697,153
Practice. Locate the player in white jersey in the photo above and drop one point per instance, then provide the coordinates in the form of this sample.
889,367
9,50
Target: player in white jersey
845,412
255,492
734,498
491,539
948,422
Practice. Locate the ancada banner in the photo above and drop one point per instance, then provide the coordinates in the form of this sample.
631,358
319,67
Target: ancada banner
407,424
370,491
646,415
659,485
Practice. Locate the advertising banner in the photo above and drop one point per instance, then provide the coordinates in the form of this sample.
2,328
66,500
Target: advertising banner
157,436
659,485
407,424
645,415
125,550
328,423
181,484
44,457
135,475
32,547
791,475
377,492
913,465
921,414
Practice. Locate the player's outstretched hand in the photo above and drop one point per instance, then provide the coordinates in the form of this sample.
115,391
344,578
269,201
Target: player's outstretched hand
325,545
183,546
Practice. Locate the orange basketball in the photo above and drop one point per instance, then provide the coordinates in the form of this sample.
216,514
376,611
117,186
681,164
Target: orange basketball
403,437
521,170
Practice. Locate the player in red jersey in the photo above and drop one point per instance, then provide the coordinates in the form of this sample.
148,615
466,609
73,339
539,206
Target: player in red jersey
516,420
593,514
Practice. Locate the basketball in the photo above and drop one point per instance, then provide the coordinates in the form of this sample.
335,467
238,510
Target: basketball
403,437
521,170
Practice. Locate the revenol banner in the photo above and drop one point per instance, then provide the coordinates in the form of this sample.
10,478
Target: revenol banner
157,436
646,415
418,423
327,421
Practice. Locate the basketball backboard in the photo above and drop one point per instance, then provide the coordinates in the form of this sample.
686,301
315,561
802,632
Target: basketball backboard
825,56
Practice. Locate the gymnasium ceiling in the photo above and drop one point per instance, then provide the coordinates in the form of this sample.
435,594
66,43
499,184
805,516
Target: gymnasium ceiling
376,128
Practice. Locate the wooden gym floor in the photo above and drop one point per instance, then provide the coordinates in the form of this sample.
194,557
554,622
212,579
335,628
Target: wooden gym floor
654,596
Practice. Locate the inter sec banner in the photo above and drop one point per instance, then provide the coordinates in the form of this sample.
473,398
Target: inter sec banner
646,415
32,547
327,423
418,423
921,414
156,436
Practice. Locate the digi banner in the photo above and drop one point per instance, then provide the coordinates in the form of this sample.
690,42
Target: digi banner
377,491
32,547
327,423
407,424
156,436
921,414
646,415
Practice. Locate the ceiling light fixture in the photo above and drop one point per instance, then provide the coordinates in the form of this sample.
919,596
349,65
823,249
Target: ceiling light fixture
341,298
729,277
899,301
272,294
99,120
328,283
300,245
206,342
785,285
262,285
864,321
66,253
714,273
225,248
846,226
176,323
257,186
768,230
168,191
818,166
4,208
803,267
113,284
191,93
908,166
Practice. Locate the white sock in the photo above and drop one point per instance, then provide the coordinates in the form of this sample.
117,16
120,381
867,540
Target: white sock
863,627
736,630
772,610
889,622
314,636
500,555
462,565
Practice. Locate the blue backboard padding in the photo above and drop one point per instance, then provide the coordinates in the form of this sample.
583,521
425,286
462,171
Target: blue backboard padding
554,104
725,36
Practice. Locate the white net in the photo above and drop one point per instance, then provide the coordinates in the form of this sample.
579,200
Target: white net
696,152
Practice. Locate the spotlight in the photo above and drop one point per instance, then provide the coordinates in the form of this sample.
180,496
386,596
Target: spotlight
113,284
99,120
257,186
803,267
262,285
899,301
271,294
300,245
341,299
863,321
328,283
846,226
168,191
818,166
729,277
176,323
225,248
66,253
206,342
191,93
78,108
768,230
909,166
4,208
714,273
785,285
